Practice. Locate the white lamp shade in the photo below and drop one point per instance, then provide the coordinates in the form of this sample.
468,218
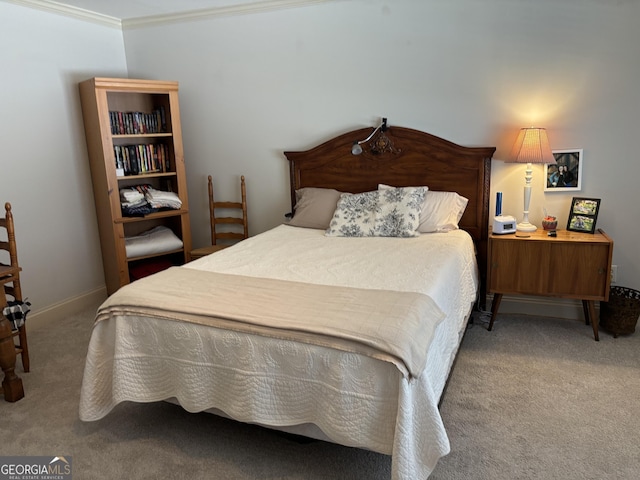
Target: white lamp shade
532,146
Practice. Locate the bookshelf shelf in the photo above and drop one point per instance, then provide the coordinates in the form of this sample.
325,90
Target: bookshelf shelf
151,216
142,176
142,135
146,257
134,137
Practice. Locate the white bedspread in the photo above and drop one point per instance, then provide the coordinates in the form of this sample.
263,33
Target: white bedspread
355,400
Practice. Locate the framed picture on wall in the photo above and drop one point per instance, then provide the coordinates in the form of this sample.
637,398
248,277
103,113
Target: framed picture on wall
566,174
583,214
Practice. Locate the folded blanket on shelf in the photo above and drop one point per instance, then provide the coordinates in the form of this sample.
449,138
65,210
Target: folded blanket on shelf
162,199
155,241
140,200
130,195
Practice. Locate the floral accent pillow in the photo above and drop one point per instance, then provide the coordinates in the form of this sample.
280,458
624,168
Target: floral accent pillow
381,213
441,211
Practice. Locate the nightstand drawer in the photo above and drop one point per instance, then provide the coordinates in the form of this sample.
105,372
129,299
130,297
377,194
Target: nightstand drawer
580,271
518,267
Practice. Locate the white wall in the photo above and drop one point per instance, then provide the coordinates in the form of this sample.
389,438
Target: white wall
44,171
471,71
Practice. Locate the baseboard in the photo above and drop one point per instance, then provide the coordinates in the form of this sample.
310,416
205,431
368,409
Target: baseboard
541,306
52,314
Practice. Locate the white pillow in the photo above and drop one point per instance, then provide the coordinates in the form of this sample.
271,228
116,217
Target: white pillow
381,213
441,211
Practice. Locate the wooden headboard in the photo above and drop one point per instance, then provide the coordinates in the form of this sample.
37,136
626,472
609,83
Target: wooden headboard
411,158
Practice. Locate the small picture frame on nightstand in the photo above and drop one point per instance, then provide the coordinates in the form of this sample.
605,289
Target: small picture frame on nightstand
583,214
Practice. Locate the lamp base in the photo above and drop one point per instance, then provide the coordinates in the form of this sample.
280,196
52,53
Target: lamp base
526,227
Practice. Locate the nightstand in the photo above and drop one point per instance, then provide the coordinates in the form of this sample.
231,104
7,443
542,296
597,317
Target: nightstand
570,265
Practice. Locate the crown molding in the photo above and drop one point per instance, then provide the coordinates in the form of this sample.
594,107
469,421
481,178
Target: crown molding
163,19
247,8
69,11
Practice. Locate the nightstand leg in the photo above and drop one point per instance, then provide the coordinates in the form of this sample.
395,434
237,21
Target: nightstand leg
585,309
591,308
495,305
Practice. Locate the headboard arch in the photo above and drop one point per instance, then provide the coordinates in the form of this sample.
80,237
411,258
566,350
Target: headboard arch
418,158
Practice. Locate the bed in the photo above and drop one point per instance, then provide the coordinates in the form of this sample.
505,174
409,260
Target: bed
309,330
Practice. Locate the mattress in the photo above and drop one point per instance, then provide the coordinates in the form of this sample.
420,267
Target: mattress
350,399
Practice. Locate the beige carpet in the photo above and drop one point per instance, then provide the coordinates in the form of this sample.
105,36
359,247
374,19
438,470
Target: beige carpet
537,398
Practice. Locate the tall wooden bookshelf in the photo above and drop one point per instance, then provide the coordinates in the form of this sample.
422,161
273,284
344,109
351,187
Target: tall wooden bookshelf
144,114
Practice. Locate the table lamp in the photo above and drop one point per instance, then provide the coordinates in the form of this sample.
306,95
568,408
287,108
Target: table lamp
532,146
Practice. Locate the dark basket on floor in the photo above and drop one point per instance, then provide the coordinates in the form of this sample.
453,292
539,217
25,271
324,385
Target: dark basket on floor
620,314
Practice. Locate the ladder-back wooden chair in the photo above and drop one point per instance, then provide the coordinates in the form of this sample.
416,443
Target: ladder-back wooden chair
228,229
10,279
